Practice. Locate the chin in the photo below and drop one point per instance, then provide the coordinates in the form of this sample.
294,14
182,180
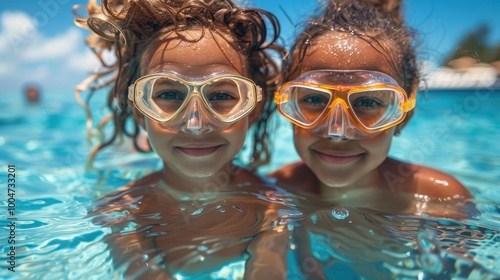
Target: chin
336,180
198,172
335,184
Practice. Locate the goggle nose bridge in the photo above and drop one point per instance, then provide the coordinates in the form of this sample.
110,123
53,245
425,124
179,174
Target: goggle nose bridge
193,91
336,117
194,120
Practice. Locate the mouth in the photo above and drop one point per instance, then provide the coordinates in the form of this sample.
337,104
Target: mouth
199,151
338,157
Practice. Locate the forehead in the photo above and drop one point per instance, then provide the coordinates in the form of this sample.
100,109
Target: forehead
344,51
192,52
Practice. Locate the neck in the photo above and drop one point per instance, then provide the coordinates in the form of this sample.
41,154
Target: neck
352,191
184,185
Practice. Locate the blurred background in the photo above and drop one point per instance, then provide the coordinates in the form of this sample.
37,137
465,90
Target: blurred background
40,44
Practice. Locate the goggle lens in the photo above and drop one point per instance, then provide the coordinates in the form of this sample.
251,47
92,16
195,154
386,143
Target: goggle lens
373,109
305,104
227,97
377,108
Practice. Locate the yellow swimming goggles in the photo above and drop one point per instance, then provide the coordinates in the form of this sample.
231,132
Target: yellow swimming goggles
348,103
196,104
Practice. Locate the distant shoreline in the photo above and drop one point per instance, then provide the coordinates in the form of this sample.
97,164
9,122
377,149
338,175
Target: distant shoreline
470,78
459,90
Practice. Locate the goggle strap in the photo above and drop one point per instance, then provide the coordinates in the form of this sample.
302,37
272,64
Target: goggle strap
409,105
259,93
131,90
278,96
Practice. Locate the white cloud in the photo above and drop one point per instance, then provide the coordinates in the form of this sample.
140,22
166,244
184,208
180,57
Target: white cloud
27,54
16,22
53,48
82,61
16,28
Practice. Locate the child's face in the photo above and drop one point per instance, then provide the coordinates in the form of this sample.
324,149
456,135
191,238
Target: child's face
344,162
187,153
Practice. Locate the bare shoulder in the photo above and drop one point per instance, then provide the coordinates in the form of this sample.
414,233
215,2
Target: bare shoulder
438,184
426,181
295,177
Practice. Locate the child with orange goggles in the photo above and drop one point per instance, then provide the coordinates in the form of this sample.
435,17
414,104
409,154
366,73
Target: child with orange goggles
350,86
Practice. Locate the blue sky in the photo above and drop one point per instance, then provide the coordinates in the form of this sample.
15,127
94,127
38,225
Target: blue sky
39,42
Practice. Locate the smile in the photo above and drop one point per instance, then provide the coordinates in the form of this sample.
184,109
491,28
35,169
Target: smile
198,151
338,158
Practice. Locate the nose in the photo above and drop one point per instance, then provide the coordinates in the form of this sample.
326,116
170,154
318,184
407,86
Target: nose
194,123
336,122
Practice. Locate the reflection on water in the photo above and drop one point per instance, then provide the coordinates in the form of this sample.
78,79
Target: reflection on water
158,235
145,233
247,234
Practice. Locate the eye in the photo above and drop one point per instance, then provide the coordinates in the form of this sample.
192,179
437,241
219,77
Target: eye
219,96
315,100
367,103
170,95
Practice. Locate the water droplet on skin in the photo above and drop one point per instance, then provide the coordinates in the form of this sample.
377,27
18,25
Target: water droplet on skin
202,248
222,210
285,213
202,258
371,232
184,197
218,207
134,207
340,213
238,208
182,209
197,212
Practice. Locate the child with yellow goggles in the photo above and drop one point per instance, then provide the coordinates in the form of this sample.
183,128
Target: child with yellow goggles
350,85
344,103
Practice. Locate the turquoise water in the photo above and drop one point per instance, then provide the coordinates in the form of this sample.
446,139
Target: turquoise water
454,131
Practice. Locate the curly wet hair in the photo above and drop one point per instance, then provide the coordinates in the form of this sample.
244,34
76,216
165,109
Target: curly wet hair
376,20
126,27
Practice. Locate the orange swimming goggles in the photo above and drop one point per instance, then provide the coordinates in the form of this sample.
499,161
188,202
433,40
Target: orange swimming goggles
351,103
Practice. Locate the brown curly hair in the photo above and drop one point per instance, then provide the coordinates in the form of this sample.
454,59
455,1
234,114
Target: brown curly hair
376,20
126,27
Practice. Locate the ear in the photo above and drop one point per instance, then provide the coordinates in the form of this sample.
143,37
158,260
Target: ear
138,116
